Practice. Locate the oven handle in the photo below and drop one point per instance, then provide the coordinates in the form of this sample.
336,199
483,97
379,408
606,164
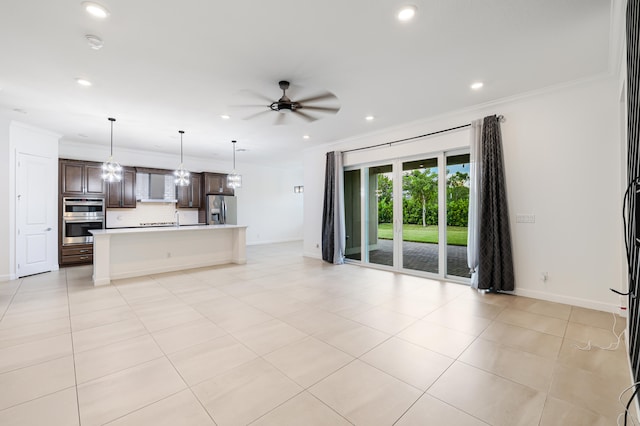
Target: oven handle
83,203
82,220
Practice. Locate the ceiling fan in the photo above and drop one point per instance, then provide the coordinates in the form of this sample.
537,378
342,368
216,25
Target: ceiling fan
298,107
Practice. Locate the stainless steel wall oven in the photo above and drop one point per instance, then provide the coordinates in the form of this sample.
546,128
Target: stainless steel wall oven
79,216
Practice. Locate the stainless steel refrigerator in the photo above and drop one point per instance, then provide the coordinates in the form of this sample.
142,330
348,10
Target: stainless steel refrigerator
222,210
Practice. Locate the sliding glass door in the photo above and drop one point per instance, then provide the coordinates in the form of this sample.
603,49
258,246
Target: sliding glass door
352,214
457,215
409,214
379,220
420,231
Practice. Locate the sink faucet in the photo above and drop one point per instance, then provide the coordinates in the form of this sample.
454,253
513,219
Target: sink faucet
177,216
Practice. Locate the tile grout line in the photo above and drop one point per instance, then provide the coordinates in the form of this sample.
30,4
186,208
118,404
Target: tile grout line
73,352
170,362
13,296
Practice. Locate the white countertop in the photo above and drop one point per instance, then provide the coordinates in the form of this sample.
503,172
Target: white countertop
163,229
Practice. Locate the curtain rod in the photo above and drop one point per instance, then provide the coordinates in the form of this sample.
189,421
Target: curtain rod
500,118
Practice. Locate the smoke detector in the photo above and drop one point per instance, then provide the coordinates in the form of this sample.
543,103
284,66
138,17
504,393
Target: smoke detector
95,42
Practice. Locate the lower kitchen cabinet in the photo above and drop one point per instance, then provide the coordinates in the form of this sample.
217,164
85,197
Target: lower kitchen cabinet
76,254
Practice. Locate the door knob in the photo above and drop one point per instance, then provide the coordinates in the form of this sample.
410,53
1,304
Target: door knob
47,230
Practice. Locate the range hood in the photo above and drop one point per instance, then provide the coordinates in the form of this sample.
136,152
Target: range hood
155,188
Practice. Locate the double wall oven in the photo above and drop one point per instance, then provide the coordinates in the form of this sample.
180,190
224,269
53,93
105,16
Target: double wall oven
79,216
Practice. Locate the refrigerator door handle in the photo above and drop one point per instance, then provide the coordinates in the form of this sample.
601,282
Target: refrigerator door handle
224,212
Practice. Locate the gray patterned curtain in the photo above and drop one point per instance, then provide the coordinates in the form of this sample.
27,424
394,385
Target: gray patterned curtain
333,228
495,272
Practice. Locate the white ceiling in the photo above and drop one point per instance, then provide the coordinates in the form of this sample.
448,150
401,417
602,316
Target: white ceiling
168,65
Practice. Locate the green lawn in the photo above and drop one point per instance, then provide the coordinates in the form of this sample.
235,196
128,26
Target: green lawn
456,235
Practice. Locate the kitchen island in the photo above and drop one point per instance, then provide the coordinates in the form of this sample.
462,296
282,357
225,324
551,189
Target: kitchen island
132,252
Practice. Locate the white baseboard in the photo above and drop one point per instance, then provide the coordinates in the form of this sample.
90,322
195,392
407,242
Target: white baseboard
7,277
259,243
312,254
568,300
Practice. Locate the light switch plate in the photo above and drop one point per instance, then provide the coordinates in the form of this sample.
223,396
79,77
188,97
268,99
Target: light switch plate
525,218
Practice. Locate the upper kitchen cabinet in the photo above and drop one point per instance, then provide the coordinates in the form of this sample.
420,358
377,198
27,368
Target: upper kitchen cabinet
190,196
81,178
216,184
123,194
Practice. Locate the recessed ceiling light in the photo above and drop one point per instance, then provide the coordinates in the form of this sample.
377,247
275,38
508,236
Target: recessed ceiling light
369,118
95,9
83,82
407,13
305,137
477,85
225,116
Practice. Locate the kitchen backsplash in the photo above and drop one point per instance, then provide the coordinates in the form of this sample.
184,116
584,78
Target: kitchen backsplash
149,213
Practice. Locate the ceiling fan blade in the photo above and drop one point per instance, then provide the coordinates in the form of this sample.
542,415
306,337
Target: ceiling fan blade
305,116
257,95
256,114
249,106
323,109
320,97
280,119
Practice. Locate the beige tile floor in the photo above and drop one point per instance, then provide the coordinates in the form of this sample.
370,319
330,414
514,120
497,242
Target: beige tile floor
287,340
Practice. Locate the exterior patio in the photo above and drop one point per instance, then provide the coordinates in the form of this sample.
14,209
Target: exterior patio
422,257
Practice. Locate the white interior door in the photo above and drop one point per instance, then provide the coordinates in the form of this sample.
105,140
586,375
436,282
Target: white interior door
35,232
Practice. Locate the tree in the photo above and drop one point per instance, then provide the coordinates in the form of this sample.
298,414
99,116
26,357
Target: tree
457,186
384,192
421,186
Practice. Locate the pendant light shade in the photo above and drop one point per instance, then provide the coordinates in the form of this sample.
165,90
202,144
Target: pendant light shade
111,170
234,180
181,175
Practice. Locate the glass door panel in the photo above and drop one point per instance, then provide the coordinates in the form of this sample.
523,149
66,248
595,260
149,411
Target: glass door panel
379,218
420,232
457,215
352,217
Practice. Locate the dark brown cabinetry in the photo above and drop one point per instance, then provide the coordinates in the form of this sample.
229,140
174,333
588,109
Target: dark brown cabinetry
123,194
76,254
81,178
190,196
216,183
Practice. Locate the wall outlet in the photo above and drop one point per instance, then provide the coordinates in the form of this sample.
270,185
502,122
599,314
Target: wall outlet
317,245
168,255
544,276
623,303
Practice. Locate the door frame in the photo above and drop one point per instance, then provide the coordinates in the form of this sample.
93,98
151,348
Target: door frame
396,164
26,139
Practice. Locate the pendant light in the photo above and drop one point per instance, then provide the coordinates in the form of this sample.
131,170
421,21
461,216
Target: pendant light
234,180
182,175
111,170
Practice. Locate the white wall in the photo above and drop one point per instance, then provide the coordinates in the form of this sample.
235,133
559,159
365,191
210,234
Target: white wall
266,202
562,157
6,229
